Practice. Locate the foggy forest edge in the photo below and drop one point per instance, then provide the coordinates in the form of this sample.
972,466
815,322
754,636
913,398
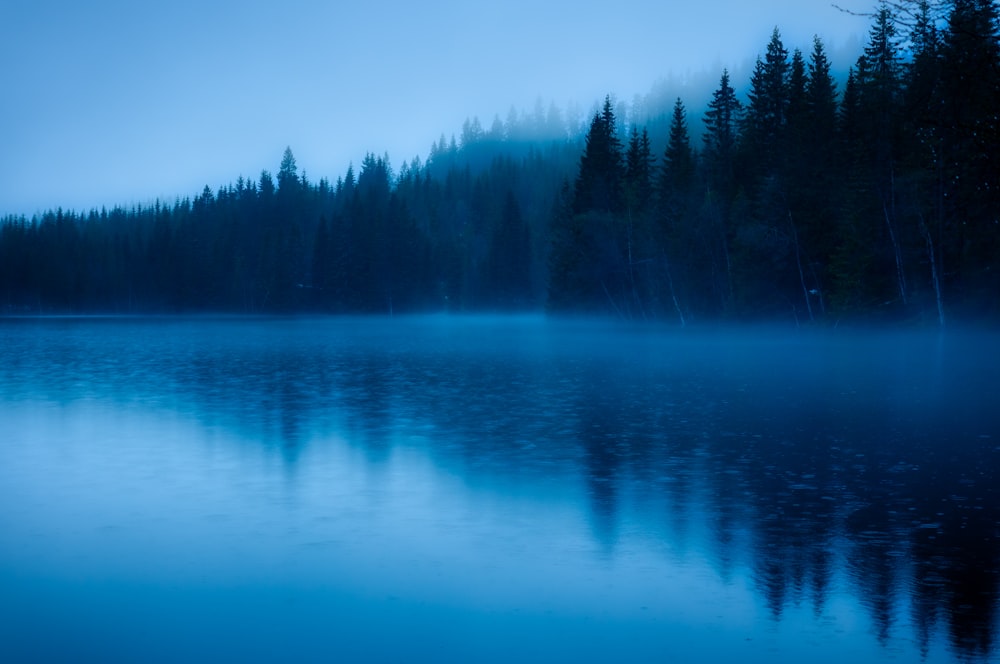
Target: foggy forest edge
809,200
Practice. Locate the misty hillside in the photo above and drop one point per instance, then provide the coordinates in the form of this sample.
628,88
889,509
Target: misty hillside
807,199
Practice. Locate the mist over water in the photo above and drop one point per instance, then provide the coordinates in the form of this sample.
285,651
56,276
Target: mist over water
495,489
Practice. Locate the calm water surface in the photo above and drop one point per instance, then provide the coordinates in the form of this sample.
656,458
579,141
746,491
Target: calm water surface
495,490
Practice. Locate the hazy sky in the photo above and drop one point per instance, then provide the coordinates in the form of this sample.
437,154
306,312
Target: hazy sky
117,101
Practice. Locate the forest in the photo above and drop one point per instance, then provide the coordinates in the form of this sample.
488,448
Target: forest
809,199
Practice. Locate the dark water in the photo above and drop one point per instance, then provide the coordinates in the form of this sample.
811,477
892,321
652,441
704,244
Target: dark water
495,490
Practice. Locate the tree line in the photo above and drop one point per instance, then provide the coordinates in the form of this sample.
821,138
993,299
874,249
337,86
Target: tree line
880,200
811,200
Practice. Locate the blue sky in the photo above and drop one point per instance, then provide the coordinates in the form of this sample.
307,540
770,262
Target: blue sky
119,102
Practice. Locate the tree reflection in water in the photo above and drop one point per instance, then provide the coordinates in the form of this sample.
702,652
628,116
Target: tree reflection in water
803,459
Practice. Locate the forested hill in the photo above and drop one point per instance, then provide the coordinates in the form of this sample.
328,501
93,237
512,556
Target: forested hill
807,200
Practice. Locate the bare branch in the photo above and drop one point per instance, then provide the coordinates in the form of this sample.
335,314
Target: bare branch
908,15
850,11
906,12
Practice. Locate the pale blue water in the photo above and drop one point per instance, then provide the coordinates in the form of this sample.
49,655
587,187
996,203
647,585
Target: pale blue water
494,490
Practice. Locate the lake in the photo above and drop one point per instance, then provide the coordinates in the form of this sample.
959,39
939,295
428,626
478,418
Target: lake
491,489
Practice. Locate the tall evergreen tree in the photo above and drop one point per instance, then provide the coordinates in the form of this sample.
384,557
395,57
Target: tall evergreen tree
880,82
638,172
880,85
767,106
677,170
922,95
678,254
820,184
601,227
288,179
721,131
722,120
821,101
852,259
599,184
265,186
798,104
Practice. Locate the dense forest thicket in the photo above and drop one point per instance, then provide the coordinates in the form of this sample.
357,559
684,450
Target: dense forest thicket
809,200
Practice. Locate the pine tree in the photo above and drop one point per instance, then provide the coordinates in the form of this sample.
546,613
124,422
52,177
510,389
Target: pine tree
599,184
796,158
820,184
922,96
808,158
797,113
880,80
821,101
854,268
678,157
288,179
266,186
638,173
678,254
721,131
880,85
677,170
721,121
767,107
